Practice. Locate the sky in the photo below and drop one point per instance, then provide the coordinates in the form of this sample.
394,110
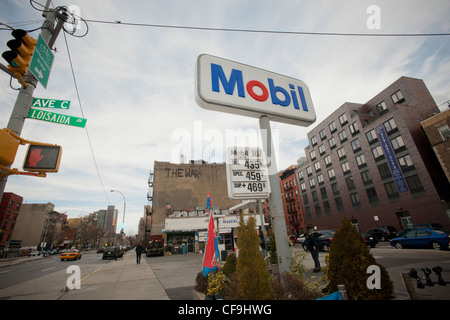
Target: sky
136,82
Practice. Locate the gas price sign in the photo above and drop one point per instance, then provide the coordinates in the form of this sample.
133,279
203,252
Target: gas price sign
247,174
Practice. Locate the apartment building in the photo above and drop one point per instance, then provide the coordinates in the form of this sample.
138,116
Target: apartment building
373,164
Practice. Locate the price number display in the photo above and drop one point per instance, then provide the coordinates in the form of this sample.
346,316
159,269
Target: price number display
247,175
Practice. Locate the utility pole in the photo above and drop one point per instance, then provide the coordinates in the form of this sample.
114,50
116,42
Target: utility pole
25,97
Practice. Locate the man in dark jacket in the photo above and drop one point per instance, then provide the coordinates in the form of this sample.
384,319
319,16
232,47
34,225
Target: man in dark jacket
312,246
139,249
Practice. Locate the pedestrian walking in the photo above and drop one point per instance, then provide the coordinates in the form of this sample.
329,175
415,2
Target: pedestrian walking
312,246
139,249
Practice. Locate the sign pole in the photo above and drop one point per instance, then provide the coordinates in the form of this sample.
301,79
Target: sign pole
276,203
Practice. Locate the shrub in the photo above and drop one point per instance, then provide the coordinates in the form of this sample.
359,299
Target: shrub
230,265
216,283
348,261
251,269
291,287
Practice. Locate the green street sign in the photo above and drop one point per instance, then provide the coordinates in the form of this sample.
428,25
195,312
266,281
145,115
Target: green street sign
42,61
56,118
50,103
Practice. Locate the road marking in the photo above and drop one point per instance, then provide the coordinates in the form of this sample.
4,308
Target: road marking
48,269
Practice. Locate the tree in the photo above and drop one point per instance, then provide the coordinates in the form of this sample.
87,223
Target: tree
348,262
251,269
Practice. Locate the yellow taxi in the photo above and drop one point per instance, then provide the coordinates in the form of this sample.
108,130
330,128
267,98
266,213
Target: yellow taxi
71,254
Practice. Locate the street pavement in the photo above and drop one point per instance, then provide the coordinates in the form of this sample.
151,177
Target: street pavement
155,278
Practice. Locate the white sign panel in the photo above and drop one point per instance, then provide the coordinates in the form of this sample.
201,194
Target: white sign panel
247,175
232,87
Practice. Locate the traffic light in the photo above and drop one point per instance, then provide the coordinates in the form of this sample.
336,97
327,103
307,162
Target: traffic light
22,48
8,148
42,158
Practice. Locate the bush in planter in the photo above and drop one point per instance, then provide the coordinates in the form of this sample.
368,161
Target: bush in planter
230,265
251,269
348,261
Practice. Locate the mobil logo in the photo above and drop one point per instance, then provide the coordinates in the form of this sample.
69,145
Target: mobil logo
232,87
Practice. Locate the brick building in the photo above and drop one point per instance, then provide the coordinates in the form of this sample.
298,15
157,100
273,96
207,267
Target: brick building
372,163
291,201
9,211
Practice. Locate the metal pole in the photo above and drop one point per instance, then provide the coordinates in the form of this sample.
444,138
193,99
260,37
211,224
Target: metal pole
25,97
276,203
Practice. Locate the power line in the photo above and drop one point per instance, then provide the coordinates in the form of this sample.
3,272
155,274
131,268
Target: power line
82,113
118,22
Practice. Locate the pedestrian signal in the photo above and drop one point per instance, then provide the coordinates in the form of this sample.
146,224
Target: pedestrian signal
42,158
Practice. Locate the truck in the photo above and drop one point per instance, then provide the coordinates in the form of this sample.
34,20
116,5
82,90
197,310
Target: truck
154,248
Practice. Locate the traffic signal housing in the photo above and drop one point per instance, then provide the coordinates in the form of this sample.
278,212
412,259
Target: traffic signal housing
22,48
8,148
42,158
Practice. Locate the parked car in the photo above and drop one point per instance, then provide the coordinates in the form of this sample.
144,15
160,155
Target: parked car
301,238
324,239
369,239
422,238
72,254
111,252
432,226
383,233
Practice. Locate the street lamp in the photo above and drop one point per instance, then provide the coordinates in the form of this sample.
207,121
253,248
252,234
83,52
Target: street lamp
124,206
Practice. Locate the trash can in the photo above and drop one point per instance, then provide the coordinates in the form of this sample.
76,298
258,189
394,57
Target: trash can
184,249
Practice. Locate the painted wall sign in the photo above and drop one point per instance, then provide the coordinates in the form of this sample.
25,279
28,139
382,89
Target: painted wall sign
232,87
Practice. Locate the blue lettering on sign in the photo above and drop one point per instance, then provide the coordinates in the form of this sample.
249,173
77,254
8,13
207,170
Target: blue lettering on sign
391,159
279,95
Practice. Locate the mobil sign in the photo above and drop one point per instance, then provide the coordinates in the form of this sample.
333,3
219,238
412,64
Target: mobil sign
232,87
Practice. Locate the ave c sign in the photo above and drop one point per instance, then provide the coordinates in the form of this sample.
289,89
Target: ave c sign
232,87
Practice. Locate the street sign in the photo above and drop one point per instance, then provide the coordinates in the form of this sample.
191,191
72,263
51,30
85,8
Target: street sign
232,87
50,103
42,61
56,118
247,175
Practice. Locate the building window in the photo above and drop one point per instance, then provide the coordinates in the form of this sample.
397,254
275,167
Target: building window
444,131
327,160
320,179
390,125
406,163
318,211
308,213
327,208
331,174
398,144
323,193
305,199
308,170
367,179
300,175
314,196
317,166
332,126
312,155
321,149
342,136
345,167
341,153
381,107
355,145
414,184
303,186
322,134
371,136
339,204
335,188
378,153
397,97
372,195
361,161
355,200
350,184
311,183
313,140
332,143
342,119
354,128
391,191
384,170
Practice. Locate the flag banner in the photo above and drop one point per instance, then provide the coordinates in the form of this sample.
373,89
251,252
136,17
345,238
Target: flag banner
209,259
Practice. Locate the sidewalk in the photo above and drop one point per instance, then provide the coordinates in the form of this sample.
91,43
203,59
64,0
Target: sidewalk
120,280
12,261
